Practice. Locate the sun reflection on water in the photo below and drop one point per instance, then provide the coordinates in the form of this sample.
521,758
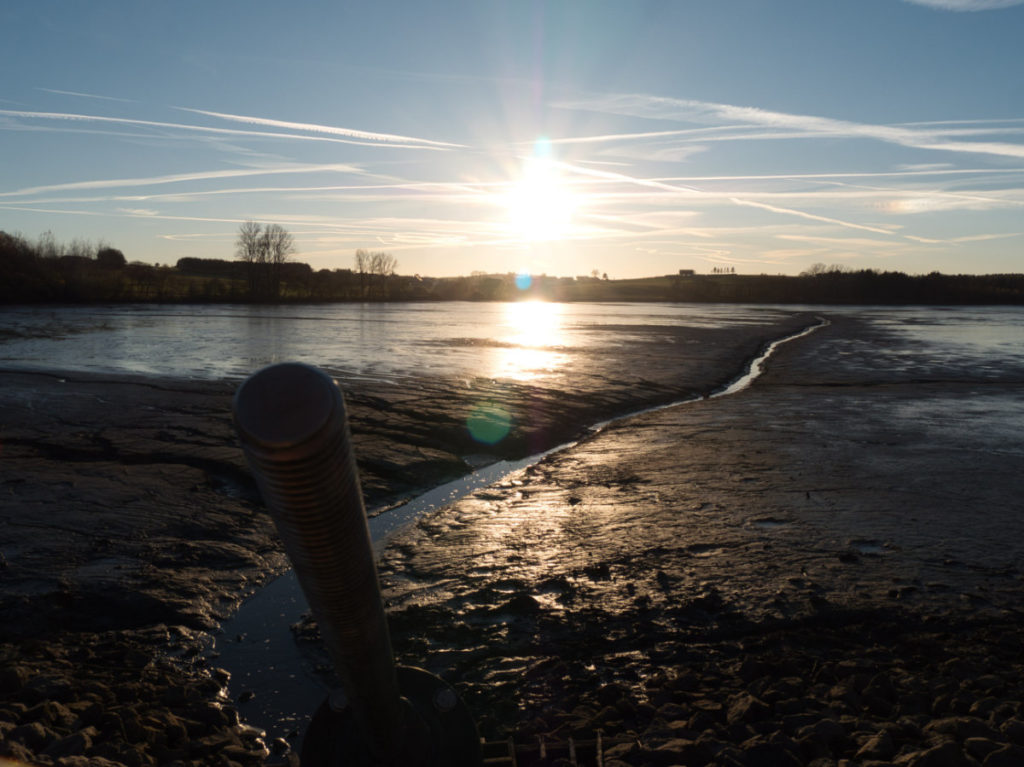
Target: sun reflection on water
533,333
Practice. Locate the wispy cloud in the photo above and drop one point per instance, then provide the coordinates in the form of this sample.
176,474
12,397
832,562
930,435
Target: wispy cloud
178,177
689,191
786,125
846,242
615,137
73,117
87,95
387,138
967,5
810,216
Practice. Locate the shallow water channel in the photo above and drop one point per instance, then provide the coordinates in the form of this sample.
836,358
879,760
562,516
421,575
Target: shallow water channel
275,685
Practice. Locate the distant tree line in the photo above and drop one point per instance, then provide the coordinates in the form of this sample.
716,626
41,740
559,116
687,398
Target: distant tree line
46,271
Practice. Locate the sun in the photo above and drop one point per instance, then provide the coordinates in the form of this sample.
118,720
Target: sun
541,203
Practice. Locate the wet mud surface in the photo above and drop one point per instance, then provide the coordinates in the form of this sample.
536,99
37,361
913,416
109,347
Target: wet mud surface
827,566
130,521
823,569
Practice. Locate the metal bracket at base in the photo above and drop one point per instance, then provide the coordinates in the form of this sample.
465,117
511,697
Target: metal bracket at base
439,730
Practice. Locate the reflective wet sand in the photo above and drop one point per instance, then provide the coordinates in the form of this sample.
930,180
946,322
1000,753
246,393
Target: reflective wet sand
834,512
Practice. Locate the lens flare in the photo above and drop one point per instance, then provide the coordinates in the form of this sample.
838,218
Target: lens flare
489,423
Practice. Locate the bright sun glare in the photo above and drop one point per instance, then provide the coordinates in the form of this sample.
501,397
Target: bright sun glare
534,333
534,323
541,203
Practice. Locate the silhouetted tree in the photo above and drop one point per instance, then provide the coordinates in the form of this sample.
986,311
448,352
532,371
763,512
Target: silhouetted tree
375,268
264,250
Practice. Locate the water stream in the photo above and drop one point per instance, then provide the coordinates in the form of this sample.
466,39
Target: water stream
276,687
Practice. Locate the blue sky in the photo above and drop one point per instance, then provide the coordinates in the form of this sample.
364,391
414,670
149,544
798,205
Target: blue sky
636,137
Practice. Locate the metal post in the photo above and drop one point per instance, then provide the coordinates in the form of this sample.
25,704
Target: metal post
294,431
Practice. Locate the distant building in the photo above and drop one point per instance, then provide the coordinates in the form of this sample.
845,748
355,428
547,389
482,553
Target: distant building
686,272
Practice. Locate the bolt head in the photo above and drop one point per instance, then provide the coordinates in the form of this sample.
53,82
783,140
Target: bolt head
445,699
337,700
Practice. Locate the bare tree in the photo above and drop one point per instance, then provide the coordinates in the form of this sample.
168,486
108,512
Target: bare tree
264,249
363,270
374,269
279,246
383,264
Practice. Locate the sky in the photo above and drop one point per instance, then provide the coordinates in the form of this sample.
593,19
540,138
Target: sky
636,137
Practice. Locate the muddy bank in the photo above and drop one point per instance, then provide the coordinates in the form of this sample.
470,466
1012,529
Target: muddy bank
127,501
827,566
127,509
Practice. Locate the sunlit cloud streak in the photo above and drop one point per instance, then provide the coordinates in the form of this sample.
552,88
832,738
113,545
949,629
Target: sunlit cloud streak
735,200
179,177
810,216
87,95
847,174
689,110
967,5
847,242
70,116
752,133
120,213
328,129
985,237
612,137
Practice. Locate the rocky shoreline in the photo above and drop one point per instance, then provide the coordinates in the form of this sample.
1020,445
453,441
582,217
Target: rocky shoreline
734,584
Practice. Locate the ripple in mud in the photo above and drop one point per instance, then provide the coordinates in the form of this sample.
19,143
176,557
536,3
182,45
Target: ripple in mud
868,547
704,549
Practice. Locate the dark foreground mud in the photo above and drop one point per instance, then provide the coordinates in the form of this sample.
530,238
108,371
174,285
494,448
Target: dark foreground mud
129,524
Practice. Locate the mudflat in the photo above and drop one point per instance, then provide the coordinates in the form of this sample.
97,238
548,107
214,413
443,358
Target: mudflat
131,526
824,567
797,572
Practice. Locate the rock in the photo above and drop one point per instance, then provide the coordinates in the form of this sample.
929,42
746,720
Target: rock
76,743
769,755
671,711
961,728
879,746
826,733
990,684
16,751
519,604
1007,756
606,716
979,748
747,709
945,755
33,734
52,714
1013,729
678,750
13,678
619,751
984,707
